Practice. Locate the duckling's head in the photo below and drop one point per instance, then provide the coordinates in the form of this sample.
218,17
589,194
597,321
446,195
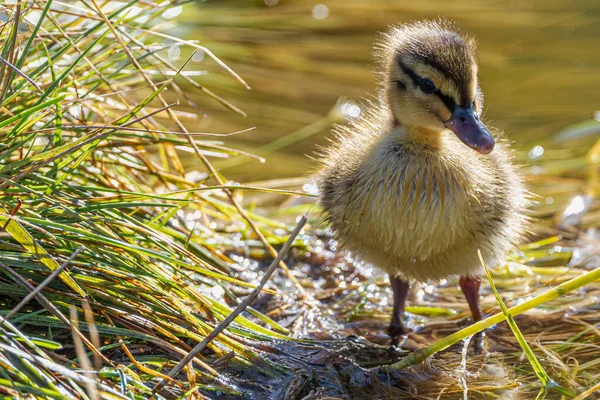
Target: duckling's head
429,83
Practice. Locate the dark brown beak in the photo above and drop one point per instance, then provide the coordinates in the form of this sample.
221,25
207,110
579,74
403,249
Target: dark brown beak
465,123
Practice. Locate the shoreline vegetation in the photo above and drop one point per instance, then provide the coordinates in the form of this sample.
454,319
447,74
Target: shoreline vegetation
117,259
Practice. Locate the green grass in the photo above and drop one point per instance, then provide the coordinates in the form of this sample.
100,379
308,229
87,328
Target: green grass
152,256
88,163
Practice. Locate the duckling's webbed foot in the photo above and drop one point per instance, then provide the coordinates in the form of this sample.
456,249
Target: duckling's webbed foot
396,332
397,329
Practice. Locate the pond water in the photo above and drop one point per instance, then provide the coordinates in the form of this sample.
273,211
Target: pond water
539,68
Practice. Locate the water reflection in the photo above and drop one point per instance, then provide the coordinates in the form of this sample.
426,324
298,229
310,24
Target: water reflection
538,65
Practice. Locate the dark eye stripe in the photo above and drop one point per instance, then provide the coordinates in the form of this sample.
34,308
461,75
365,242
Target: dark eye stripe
448,101
411,74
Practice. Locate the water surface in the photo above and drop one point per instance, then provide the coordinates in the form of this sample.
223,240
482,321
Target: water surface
539,67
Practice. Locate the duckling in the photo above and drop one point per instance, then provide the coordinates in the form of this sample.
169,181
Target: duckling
413,185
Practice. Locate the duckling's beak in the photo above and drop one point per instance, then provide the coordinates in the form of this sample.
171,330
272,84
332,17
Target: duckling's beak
465,123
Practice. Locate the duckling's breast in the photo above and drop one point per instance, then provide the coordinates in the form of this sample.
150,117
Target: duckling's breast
410,205
420,212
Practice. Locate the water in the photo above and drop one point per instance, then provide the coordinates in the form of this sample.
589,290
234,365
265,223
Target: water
539,65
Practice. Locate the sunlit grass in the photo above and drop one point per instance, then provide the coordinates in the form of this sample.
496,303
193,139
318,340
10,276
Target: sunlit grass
89,166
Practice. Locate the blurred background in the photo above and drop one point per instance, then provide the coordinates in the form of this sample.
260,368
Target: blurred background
539,68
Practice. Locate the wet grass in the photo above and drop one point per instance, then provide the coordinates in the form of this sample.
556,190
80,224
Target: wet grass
128,258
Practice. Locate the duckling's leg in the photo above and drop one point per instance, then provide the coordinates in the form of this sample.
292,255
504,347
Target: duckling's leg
397,329
470,287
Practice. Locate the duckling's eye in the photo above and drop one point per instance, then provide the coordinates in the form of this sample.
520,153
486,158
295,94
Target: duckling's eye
427,85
